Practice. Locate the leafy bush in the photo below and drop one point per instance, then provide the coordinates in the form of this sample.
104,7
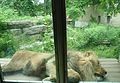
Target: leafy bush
23,7
45,44
102,35
7,13
47,20
6,41
100,38
48,42
76,38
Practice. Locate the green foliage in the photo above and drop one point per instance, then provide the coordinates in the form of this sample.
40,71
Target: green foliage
76,8
100,38
44,44
101,34
7,13
28,7
110,6
76,38
47,7
6,45
48,42
24,7
46,20
6,41
103,51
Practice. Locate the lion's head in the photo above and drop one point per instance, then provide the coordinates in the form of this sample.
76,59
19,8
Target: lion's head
99,71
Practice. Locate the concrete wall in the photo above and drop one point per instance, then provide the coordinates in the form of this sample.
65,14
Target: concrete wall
92,12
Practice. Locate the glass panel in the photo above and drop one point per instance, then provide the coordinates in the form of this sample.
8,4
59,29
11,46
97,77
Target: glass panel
26,40
93,40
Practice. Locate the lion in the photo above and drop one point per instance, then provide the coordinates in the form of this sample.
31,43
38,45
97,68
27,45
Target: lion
85,64
82,66
29,62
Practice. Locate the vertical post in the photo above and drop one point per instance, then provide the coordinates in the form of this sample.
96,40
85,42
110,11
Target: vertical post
59,28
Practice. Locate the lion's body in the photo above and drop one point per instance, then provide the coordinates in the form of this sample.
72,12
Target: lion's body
81,66
31,63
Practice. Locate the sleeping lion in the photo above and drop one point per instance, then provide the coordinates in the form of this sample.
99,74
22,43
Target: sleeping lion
82,66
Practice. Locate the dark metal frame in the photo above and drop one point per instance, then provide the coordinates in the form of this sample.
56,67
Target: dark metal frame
59,24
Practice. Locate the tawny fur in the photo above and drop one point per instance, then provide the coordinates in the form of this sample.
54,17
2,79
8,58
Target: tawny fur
81,65
31,63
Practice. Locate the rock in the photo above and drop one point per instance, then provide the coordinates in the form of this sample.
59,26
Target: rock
19,24
16,31
34,30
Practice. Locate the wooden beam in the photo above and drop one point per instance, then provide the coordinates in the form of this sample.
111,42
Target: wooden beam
59,28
